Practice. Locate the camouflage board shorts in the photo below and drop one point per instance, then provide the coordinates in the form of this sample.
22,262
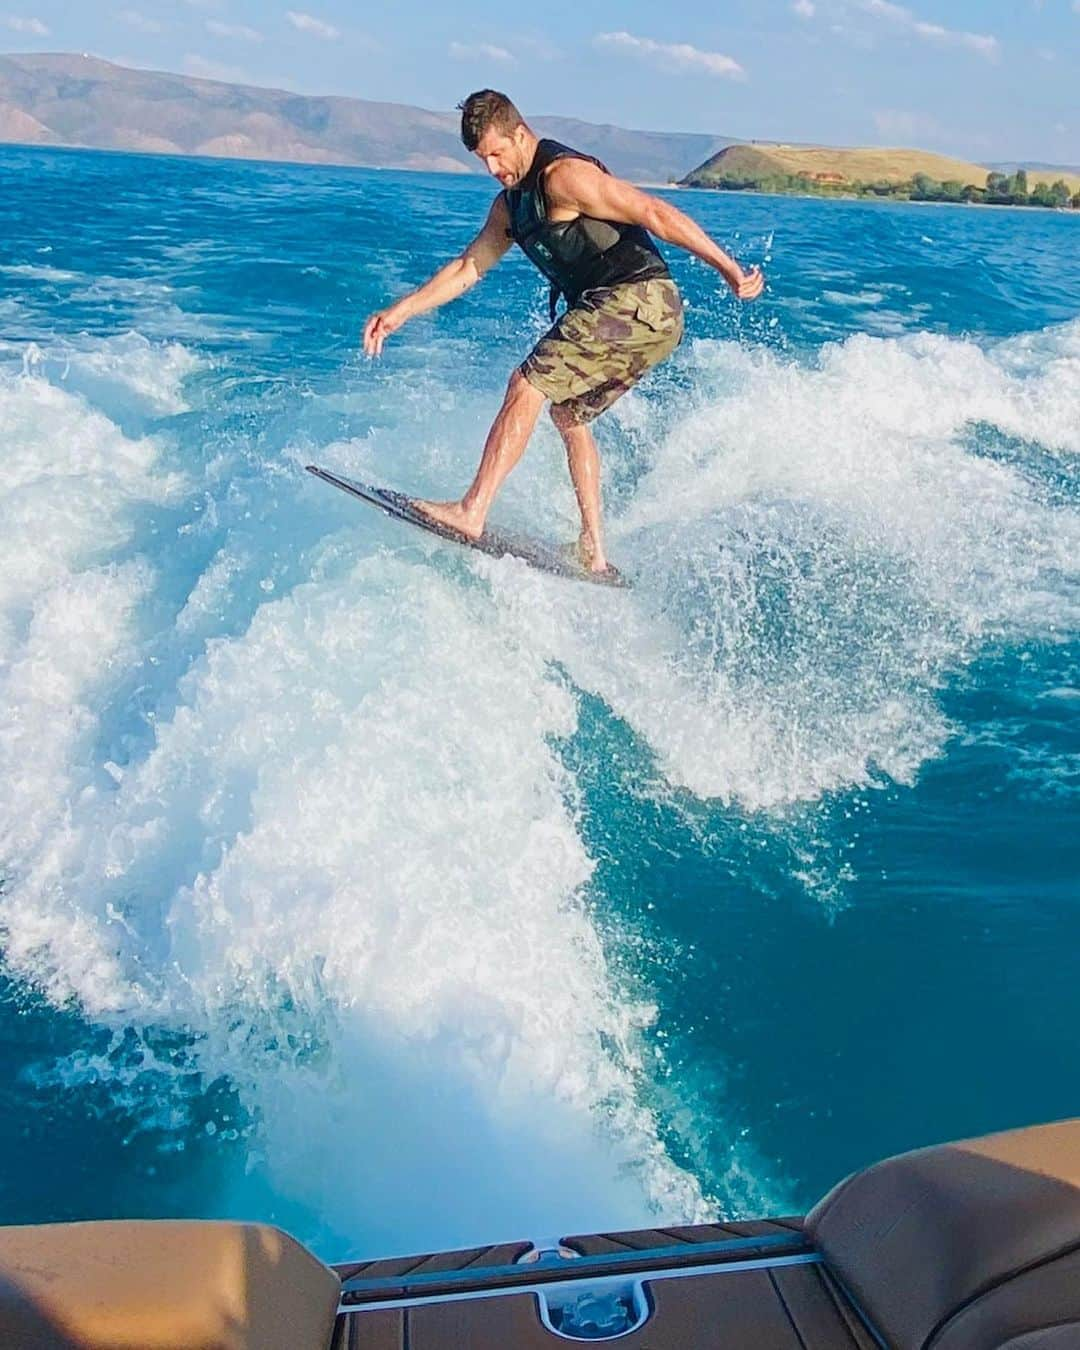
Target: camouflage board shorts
603,345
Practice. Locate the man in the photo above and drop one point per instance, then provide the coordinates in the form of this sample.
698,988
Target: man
589,233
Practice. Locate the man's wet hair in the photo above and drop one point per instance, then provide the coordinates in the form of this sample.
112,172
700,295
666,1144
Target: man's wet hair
483,110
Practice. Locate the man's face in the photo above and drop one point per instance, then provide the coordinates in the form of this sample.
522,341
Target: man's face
504,156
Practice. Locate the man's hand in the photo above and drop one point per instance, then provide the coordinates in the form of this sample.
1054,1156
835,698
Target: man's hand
448,282
746,285
379,327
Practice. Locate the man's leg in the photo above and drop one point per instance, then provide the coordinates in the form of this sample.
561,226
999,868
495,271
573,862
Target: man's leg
584,461
505,445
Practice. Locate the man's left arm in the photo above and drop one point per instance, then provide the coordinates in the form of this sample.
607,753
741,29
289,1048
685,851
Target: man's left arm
578,185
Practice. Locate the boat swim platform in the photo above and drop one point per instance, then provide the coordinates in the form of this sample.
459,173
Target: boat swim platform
964,1246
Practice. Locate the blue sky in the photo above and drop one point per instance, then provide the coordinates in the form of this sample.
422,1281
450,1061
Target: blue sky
995,80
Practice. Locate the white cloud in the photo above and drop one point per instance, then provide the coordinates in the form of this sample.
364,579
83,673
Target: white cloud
308,23
480,51
984,44
672,56
18,24
138,20
887,10
803,8
233,30
203,69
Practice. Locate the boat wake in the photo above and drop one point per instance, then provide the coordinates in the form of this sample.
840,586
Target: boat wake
283,783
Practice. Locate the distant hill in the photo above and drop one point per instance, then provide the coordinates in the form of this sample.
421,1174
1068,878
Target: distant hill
827,167
65,99
1046,171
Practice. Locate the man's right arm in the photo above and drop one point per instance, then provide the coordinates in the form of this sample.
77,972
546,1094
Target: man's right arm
448,282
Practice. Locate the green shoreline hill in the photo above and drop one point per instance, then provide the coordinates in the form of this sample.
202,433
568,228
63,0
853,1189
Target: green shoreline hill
913,175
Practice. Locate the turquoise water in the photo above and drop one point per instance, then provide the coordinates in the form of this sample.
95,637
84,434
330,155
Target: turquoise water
410,898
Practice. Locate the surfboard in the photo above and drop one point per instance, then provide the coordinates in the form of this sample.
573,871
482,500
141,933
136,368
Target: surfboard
494,542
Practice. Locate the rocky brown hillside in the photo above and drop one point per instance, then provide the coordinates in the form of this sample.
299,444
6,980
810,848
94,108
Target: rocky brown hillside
63,99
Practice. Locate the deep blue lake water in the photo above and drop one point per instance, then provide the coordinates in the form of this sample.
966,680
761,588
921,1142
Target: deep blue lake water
409,898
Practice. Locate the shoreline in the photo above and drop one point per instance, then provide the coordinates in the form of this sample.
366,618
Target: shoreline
874,198
467,174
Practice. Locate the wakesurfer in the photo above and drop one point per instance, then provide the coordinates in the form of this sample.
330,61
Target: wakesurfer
590,234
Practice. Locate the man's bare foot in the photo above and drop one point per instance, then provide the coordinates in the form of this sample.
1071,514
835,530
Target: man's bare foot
591,554
453,515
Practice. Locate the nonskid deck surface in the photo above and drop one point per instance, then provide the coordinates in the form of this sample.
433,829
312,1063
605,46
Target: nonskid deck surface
597,1244
740,1284
783,1308
503,1264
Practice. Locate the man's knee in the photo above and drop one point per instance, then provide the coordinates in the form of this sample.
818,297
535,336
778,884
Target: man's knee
519,390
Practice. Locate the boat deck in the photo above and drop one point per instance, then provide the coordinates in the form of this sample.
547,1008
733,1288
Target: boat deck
756,1283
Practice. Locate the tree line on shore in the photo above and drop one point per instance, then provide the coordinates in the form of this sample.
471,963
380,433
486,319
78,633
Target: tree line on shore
1001,189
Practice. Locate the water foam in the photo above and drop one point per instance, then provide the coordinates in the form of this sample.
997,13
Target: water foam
72,487
349,864
816,547
324,838
326,870
119,375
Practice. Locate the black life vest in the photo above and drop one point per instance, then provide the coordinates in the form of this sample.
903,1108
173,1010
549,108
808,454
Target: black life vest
581,254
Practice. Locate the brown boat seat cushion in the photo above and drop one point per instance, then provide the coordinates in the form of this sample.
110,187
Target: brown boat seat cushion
964,1245
162,1285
